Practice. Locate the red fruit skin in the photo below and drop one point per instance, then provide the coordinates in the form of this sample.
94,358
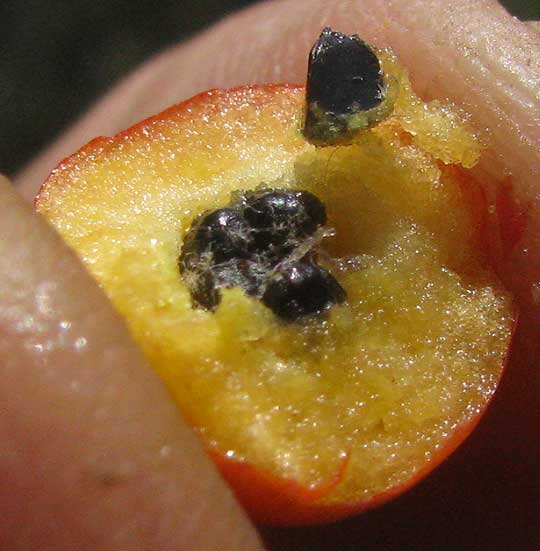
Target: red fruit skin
499,223
512,217
271,500
275,501
279,501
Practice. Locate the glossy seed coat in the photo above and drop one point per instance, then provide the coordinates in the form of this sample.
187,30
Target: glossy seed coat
251,244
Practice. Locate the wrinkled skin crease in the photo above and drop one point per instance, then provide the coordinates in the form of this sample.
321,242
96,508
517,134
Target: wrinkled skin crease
472,53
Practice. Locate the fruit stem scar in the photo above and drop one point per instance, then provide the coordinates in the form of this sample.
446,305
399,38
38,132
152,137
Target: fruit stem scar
346,90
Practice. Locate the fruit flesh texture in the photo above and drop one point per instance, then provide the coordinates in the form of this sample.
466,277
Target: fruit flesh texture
384,379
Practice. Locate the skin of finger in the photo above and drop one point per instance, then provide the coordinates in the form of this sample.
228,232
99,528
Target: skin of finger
94,454
534,25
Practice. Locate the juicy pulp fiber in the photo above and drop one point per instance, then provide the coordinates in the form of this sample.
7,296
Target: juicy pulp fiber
385,378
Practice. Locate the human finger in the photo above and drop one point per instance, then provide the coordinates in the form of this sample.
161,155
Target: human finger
94,453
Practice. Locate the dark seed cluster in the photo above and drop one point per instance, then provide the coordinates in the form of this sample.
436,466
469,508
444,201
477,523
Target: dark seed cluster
263,242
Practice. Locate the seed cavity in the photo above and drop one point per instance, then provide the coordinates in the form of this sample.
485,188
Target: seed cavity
265,242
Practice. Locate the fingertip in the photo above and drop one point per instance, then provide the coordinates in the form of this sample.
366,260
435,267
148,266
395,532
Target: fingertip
95,454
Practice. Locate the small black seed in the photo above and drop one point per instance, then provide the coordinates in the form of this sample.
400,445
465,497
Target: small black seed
302,289
271,208
237,273
241,245
204,292
315,210
223,234
280,218
345,92
344,74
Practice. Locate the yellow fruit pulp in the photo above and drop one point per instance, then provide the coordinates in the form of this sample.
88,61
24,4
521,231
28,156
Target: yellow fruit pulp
384,379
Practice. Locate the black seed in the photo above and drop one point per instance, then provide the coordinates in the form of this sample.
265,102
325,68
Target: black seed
345,91
344,74
280,218
190,259
220,235
241,245
315,210
302,289
271,208
238,273
204,292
